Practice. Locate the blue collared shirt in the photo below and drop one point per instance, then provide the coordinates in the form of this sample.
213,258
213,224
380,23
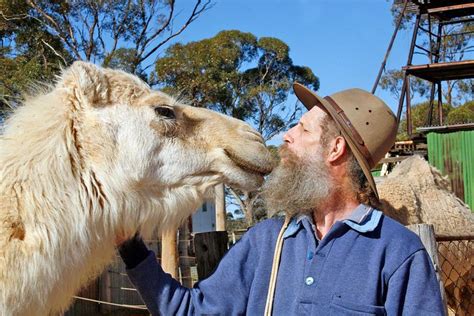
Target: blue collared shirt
367,264
363,219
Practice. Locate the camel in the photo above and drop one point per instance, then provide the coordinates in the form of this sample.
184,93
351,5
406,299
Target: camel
416,193
98,156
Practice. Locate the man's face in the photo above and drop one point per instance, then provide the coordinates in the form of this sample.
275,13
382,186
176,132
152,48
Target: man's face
302,179
305,137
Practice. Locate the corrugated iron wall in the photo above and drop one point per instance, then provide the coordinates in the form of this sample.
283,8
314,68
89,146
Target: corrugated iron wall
453,154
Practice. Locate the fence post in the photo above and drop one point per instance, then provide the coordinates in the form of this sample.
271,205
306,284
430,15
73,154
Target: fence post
169,257
427,236
183,250
220,207
210,247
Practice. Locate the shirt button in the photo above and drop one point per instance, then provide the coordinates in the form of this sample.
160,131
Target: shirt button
309,281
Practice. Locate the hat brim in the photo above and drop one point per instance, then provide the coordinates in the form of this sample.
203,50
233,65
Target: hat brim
309,100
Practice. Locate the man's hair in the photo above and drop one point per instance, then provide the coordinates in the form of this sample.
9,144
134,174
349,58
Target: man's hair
360,184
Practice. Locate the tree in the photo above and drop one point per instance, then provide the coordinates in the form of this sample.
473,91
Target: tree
462,114
47,35
28,53
419,115
238,74
392,81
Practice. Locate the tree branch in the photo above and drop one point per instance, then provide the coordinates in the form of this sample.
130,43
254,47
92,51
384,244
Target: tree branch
239,200
54,51
14,17
71,35
161,29
118,31
141,39
54,25
90,47
194,15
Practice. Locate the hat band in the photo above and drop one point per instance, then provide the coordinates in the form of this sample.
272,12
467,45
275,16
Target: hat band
354,133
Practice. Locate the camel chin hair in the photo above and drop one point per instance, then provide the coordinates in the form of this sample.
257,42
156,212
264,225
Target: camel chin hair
101,155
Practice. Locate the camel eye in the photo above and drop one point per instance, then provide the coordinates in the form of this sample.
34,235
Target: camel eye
165,112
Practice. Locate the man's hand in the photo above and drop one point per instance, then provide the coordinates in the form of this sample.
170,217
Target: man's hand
122,237
132,249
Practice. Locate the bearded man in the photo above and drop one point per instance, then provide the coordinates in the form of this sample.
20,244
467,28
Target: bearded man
334,253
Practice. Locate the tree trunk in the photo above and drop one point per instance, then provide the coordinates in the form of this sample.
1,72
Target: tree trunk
449,92
249,216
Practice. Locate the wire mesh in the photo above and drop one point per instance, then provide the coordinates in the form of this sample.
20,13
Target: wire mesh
456,257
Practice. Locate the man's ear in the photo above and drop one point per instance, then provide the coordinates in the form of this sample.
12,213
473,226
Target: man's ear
88,81
337,149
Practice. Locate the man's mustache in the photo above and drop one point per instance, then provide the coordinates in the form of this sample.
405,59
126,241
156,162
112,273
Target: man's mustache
287,155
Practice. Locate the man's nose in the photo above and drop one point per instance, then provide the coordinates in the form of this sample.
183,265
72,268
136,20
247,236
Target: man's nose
287,137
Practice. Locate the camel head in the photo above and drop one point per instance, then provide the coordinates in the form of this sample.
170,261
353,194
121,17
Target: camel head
140,141
102,155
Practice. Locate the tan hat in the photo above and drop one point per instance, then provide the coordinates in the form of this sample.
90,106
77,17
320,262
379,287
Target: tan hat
366,122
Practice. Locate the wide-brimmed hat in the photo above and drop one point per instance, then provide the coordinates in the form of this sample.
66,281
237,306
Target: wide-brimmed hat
366,122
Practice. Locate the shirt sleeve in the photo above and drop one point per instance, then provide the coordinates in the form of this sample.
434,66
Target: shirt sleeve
413,288
225,292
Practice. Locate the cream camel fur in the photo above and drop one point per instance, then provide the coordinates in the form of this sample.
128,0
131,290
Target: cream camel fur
99,155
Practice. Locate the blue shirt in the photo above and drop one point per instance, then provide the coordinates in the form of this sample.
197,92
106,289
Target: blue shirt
367,264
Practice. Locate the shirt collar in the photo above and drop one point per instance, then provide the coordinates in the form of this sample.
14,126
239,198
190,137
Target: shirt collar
363,219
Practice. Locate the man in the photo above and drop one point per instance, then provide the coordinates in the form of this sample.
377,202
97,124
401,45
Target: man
335,254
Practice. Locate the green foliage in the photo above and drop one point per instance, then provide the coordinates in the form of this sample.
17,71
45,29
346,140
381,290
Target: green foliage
18,74
236,224
274,151
237,74
28,53
392,81
38,37
419,113
407,18
461,115
125,59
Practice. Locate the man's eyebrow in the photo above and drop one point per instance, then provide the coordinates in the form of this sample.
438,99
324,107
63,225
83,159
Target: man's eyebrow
302,124
297,123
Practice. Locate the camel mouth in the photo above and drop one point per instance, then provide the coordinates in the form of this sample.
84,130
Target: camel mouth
248,166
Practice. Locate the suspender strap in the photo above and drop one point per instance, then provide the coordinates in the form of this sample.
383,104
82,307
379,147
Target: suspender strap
275,266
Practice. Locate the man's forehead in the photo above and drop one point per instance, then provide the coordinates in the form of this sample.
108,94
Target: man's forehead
313,117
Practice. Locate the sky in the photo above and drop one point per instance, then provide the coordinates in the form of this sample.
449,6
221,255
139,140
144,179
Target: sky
342,41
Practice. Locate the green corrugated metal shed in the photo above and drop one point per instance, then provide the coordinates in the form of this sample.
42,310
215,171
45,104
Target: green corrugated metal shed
453,154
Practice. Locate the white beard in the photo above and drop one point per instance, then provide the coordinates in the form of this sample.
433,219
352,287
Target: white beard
297,185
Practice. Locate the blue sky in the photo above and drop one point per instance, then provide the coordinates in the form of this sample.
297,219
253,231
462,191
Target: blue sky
342,41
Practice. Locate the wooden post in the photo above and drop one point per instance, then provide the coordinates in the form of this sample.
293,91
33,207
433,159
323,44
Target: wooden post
169,258
220,207
105,292
427,236
184,256
210,247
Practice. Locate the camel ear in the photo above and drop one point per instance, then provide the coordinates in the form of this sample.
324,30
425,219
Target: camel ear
88,81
